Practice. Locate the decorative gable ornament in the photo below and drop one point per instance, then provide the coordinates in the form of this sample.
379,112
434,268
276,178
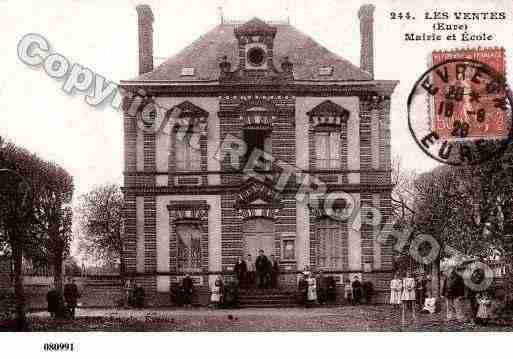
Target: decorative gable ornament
257,117
188,210
253,28
246,213
328,113
338,210
188,115
257,200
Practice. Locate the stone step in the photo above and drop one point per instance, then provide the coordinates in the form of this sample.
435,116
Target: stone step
265,305
271,297
266,299
256,301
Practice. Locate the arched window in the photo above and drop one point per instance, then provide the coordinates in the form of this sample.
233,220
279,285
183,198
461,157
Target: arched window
188,247
329,253
190,124
326,120
327,150
188,150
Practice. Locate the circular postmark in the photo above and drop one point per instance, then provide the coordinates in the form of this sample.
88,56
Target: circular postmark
460,112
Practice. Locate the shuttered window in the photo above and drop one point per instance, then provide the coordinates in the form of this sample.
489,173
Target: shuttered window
327,150
329,255
187,151
188,248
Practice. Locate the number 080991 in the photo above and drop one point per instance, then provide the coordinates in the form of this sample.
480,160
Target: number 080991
58,347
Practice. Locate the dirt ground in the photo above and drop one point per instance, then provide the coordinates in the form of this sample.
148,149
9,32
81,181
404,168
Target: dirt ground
347,318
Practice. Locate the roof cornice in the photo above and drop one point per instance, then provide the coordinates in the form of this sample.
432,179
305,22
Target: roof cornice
214,88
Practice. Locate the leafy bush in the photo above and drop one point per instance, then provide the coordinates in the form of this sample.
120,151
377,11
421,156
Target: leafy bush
7,304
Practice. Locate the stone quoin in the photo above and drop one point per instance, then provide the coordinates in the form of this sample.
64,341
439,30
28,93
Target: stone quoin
276,89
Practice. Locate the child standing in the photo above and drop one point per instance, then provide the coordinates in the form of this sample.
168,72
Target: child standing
348,291
312,289
483,312
217,292
396,288
408,296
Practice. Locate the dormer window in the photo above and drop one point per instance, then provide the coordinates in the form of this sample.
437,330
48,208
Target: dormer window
256,56
257,39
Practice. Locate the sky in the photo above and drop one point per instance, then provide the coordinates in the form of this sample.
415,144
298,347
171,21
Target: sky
102,35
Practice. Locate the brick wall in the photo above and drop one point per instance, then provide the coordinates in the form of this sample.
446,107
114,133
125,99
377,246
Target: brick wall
283,148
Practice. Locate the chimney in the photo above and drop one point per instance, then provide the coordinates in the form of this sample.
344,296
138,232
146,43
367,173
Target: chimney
145,29
366,16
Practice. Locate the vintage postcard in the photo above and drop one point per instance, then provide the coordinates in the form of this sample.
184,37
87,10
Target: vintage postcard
268,166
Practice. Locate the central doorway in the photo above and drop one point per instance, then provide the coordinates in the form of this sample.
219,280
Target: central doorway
258,233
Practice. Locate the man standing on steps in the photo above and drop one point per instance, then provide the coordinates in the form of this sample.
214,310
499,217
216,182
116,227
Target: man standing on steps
240,270
188,287
262,266
250,275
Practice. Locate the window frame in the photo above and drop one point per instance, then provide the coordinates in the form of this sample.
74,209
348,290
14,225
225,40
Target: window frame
195,229
331,159
191,161
333,251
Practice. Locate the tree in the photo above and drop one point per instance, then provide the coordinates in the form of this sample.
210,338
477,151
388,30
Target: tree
462,207
53,209
100,223
15,217
35,218
71,267
495,207
403,194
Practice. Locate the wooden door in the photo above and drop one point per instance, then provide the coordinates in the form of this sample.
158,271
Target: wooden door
258,234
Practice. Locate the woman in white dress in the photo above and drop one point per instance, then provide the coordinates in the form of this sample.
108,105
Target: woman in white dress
217,292
408,296
312,289
396,288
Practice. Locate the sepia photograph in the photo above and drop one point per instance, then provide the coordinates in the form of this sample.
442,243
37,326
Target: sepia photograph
255,167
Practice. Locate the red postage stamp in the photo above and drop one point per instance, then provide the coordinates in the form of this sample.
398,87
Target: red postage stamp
468,108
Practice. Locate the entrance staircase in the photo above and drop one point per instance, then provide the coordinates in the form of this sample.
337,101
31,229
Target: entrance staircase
266,298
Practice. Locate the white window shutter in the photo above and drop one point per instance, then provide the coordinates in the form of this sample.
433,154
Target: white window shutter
335,150
180,153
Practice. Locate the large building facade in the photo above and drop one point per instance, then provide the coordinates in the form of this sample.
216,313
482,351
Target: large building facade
236,137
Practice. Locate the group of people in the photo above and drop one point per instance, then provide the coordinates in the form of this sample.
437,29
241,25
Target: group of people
262,272
134,294
455,292
410,294
356,291
320,289
403,293
63,307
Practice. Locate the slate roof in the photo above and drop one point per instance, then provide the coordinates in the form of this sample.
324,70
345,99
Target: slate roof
205,53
